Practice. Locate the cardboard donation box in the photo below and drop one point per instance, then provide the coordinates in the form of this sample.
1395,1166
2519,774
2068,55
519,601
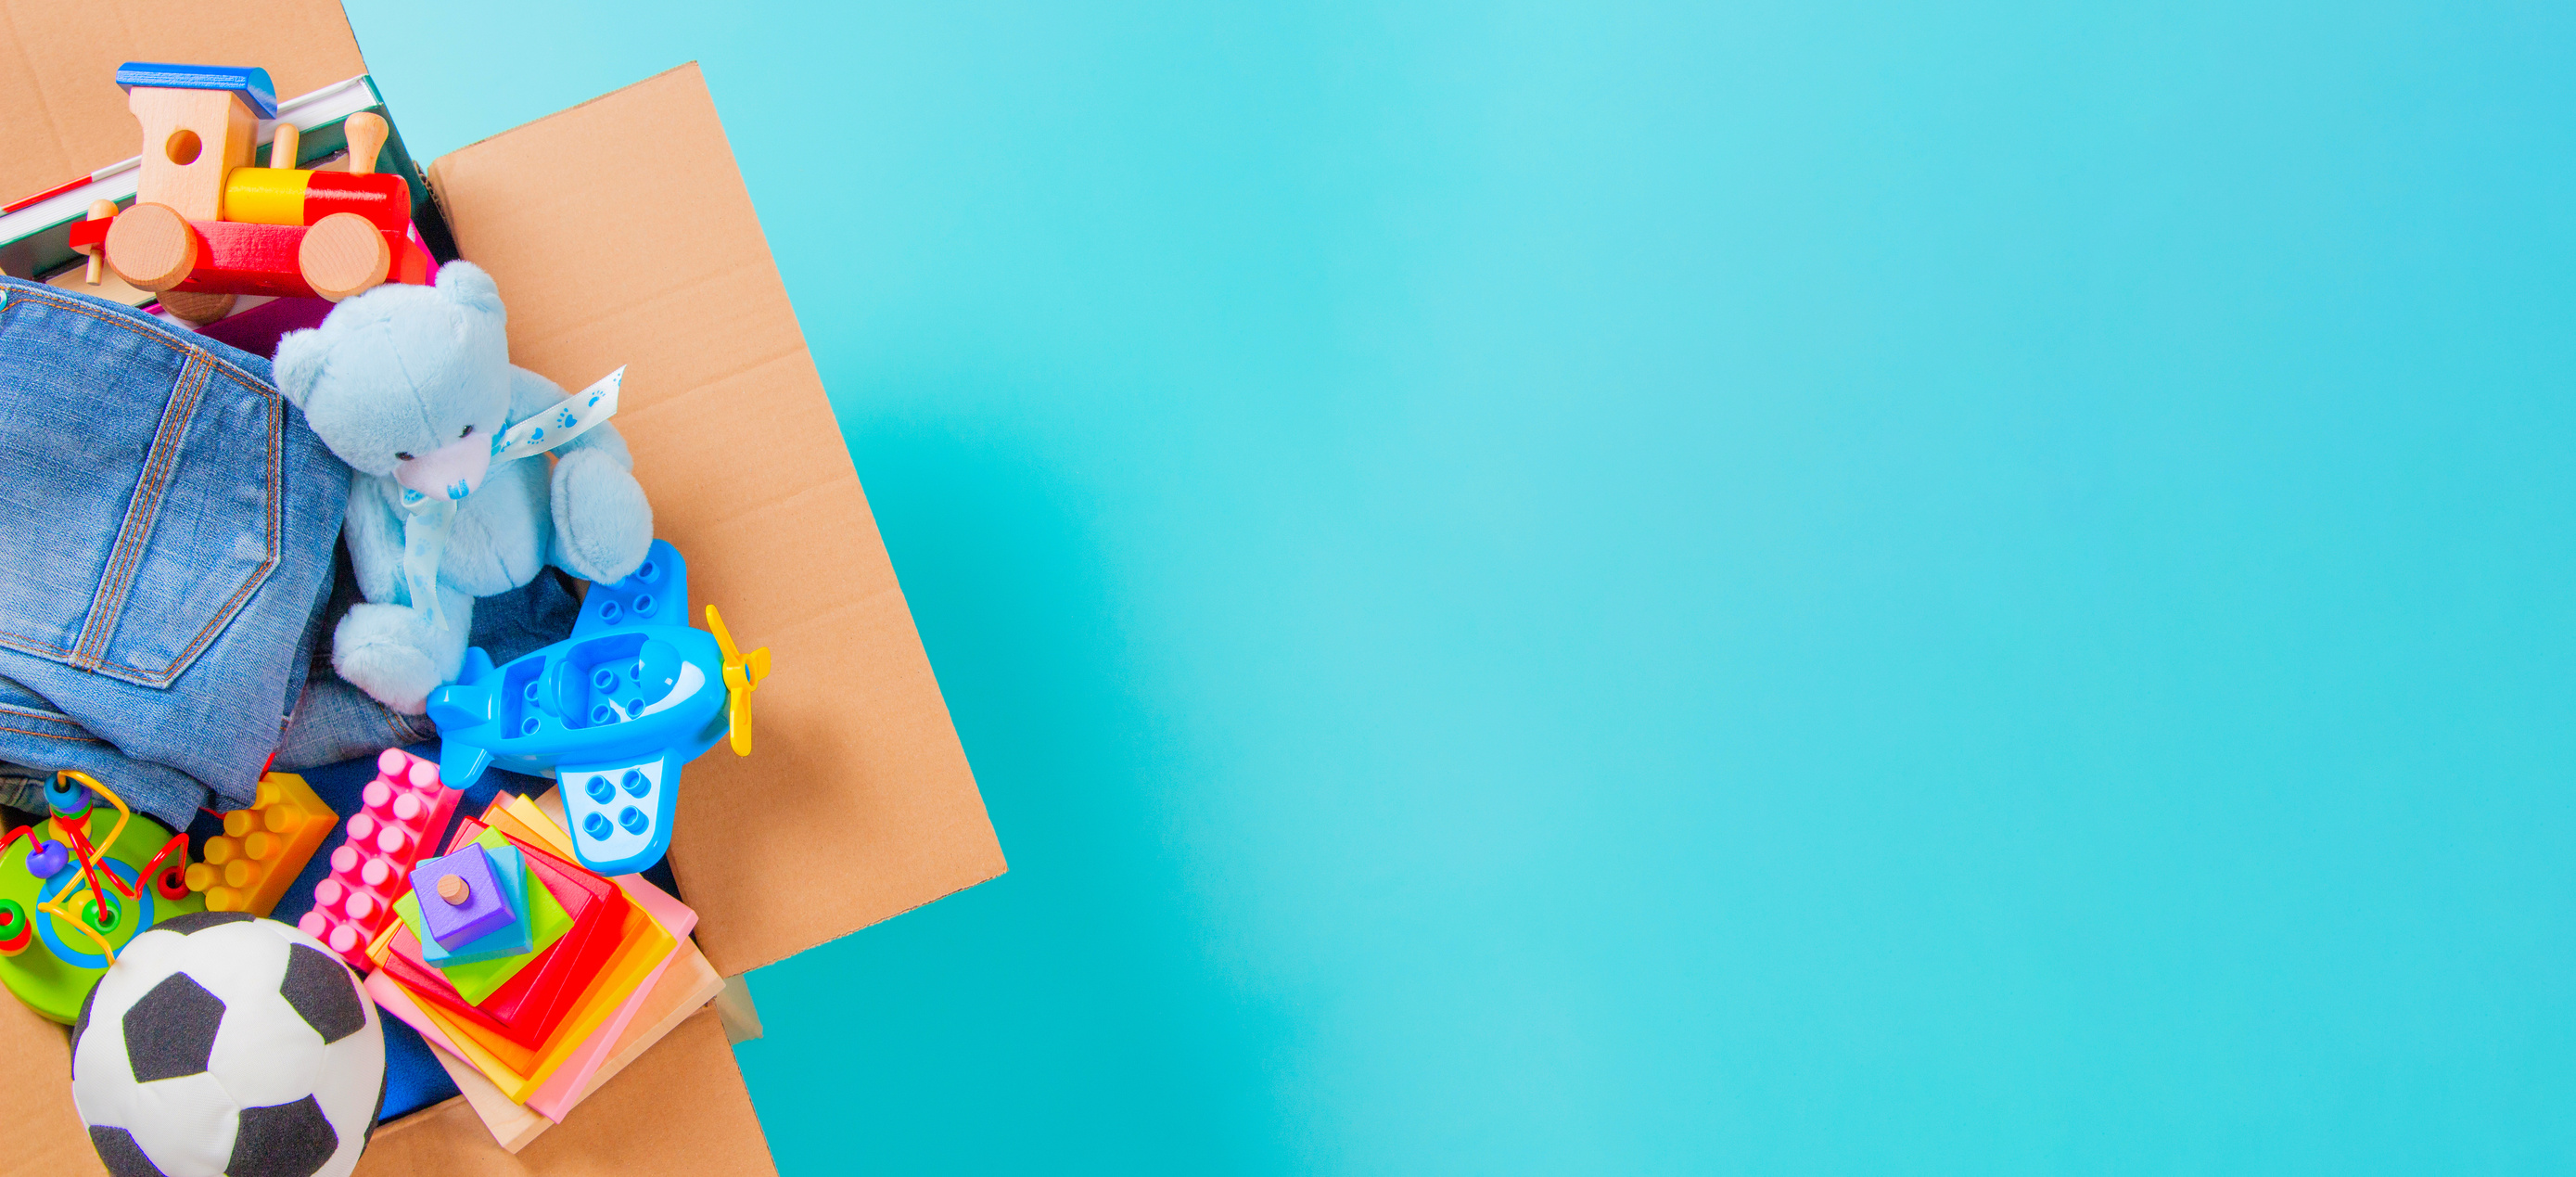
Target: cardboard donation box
620,233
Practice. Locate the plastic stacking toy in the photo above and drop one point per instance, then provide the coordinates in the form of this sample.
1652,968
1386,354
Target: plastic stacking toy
206,226
518,937
76,887
461,898
405,810
527,1008
262,848
613,711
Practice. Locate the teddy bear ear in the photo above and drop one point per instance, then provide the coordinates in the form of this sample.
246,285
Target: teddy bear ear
466,285
298,366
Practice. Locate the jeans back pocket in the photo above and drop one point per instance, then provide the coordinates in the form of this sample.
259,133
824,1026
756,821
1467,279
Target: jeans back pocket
141,484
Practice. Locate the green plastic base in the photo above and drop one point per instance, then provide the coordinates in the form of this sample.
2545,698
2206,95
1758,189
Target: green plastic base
54,973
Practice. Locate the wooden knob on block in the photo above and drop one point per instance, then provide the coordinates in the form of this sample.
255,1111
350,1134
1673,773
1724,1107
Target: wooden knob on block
366,137
99,210
281,149
343,254
453,890
152,247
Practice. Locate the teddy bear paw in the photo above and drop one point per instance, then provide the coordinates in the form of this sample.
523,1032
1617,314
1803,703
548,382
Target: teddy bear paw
381,649
603,525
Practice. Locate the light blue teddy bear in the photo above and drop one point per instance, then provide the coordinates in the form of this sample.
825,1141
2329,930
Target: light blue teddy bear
411,385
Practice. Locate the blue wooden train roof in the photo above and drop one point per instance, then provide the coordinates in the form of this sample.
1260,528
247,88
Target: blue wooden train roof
251,83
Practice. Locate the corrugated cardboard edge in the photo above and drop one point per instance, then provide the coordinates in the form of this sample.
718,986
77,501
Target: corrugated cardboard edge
621,233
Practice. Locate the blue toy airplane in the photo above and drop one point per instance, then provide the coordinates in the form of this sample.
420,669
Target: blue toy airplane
612,711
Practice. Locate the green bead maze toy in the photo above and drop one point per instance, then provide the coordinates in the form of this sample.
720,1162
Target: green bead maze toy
78,885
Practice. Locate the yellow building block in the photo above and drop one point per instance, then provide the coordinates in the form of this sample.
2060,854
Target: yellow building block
263,848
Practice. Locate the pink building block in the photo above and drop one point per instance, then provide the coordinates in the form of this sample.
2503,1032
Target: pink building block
405,809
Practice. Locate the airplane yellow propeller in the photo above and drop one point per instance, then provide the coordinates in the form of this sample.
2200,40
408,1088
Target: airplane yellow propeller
741,674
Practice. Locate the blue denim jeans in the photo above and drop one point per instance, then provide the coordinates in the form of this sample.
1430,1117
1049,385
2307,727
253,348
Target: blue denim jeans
166,528
169,551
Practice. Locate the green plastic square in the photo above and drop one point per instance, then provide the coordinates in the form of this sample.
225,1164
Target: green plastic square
479,980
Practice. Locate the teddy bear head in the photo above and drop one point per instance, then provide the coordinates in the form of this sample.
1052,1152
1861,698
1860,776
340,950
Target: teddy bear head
408,381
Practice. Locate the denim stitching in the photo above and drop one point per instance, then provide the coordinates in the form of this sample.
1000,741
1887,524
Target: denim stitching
204,636
195,350
400,725
276,527
54,718
35,713
203,361
52,736
31,645
135,536
195,353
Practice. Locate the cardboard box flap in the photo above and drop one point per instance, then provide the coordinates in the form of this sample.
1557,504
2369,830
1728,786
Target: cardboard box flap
66,116
680,1109
46,1135
621,233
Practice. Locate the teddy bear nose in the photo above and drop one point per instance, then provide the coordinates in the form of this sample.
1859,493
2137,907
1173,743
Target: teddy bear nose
451,471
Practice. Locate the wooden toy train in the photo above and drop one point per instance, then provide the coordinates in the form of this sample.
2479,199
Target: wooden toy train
207,227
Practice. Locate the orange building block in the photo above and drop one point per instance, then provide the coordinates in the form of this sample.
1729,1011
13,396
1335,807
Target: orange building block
262,848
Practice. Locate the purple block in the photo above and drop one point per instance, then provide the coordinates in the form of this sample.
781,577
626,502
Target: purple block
484,907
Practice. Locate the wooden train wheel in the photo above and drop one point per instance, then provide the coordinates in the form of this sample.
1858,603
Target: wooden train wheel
151,246
197,308
342,254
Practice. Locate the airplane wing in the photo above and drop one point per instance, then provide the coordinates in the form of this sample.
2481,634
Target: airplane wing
656,593
620,811
460,709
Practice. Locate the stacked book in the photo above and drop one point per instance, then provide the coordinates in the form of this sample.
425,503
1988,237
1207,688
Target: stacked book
533,980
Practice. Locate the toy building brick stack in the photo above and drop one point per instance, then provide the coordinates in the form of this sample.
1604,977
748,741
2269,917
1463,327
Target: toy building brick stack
532,924
404,807
461,899
470,907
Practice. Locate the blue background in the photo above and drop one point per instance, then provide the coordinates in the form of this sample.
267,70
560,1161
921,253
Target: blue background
1600,587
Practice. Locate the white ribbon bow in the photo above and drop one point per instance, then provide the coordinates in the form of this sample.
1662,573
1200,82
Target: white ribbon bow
427,520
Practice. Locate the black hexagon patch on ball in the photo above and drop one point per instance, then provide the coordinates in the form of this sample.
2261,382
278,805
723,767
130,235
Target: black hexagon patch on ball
198,921
319,990
170,1031
289,1140
123,1157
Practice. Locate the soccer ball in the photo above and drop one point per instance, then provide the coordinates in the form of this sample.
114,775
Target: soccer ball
223,1043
